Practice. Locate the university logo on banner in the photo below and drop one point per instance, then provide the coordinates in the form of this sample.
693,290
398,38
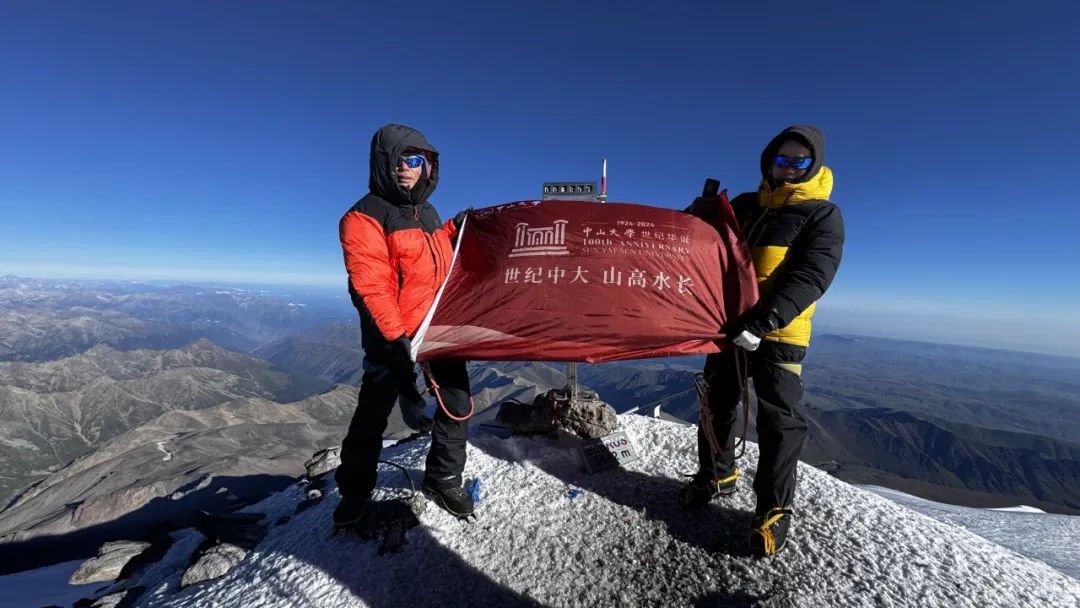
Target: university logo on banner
546,240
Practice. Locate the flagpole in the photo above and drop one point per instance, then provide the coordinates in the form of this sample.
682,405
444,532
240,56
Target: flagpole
603,180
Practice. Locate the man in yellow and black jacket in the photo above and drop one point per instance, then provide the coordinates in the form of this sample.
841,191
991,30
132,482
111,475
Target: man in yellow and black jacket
796,238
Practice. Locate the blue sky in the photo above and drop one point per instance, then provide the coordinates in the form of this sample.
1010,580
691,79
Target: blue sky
223,140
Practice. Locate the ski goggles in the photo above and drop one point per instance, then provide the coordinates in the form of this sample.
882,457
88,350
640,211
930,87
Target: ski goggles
795,162
412,161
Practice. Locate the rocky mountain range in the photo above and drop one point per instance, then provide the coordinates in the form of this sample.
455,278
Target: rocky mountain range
41,320
163,471
54,411
331,351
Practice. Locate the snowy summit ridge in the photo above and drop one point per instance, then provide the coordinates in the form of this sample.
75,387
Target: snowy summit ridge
621,541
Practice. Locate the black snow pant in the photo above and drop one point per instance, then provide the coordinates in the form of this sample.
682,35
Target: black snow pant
357,474
776,373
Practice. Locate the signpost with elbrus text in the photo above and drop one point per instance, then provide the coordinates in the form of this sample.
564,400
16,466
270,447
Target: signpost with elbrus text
607,452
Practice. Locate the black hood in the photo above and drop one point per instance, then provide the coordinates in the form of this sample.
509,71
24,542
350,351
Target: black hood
811,137
387,145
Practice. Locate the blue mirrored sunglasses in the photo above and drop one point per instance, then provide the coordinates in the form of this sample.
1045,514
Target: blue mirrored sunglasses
795,162
412,161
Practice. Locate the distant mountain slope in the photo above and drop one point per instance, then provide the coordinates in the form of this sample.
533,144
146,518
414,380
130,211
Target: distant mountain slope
861,444
42,320
53,412
331,352
995,389
44,335
631,384
164,470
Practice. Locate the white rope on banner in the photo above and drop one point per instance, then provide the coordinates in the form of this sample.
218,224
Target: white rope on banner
418,339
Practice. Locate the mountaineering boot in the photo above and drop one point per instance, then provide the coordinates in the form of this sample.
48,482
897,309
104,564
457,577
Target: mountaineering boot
449,495
702,488
768,532
349,512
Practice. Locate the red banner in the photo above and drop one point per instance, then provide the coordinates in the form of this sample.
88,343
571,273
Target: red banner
588,281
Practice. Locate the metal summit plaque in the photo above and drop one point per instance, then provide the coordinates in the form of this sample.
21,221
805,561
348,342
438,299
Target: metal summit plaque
576,191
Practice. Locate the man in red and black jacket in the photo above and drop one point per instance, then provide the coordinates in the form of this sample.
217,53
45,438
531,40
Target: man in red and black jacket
397,253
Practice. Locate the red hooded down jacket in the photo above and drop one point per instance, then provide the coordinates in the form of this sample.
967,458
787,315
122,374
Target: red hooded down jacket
397,251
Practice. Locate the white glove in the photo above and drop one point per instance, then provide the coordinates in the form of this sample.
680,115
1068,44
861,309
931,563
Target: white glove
748,341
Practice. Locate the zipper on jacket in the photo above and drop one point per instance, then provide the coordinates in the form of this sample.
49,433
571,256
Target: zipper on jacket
751,238
434,259
431,246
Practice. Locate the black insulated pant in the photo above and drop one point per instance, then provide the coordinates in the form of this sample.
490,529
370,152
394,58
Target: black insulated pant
357,474
781,429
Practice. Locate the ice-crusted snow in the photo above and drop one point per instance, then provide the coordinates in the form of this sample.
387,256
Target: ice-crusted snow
623,541
46,586
1048,537
1018,509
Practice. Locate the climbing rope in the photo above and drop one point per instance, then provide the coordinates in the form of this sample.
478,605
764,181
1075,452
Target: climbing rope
438,396
701,385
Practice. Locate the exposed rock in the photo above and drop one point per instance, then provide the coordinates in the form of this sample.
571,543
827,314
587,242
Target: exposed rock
323,462
314,494
527,419
120,599
586,416
211,563
240,529
589,418
110,561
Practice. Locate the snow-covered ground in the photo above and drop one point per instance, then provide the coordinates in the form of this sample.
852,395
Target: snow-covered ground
1049,537
46,586
621,541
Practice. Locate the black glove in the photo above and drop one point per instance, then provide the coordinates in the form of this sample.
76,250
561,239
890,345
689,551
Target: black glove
399,359
702,207
459,219
402,367
759,322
